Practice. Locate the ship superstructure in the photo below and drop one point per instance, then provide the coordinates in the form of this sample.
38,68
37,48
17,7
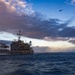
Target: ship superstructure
19,47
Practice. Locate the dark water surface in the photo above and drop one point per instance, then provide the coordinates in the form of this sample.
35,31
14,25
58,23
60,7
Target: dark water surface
38,64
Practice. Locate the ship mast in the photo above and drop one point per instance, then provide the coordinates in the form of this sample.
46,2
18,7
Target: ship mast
19,35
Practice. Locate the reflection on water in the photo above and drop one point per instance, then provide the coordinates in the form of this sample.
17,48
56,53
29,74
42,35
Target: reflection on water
38,64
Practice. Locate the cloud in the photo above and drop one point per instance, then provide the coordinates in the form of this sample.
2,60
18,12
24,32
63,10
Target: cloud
56,38
15,6
51,49
72,40
70,2
18,14
12,11
5,7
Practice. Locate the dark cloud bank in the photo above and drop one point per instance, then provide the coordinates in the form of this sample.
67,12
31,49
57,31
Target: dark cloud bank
36,27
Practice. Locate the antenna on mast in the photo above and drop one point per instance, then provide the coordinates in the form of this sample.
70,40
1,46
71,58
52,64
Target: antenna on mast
19,35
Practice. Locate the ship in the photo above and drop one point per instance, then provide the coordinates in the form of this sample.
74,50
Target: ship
18,47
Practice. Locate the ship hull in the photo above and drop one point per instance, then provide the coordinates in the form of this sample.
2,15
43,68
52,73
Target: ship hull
16,52
21,52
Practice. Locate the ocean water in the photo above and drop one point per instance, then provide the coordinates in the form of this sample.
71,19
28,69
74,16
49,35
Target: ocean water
38,64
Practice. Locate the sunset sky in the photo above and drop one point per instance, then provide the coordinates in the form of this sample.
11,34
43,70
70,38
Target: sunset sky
49,24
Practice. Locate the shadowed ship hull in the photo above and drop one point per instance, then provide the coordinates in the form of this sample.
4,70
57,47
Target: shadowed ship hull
6,52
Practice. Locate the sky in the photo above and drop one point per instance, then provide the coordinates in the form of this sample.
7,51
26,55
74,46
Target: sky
49,24
50,8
